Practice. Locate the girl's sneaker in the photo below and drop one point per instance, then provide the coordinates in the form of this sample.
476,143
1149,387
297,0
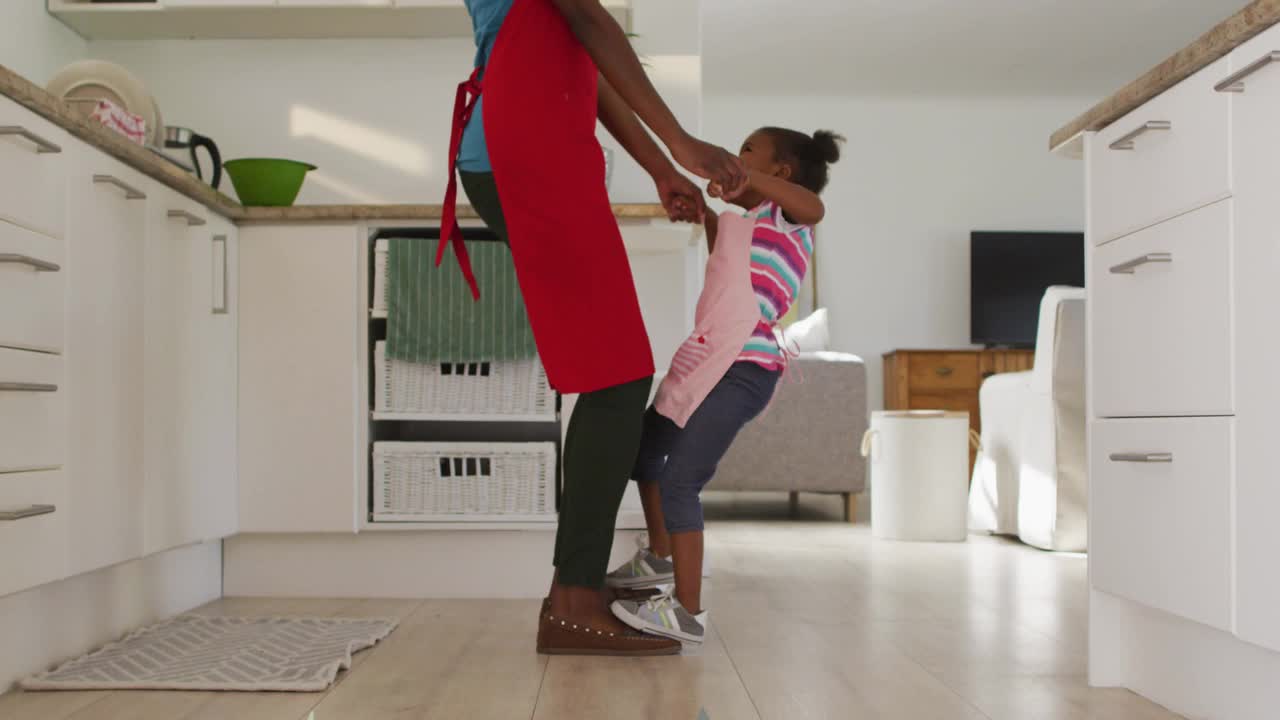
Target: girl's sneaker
643,570
663,615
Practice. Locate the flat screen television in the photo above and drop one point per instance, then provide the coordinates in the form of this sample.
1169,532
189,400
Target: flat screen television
1009,272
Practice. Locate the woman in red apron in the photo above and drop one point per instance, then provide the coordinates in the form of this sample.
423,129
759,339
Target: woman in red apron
524,138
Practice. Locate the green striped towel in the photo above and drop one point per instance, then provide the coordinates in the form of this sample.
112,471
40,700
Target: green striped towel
432,318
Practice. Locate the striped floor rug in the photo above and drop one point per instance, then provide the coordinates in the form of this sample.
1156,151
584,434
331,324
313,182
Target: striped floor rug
194,652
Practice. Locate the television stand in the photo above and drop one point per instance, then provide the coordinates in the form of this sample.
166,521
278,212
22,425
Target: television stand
947,379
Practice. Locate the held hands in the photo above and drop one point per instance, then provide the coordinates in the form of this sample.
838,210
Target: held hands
716,190
682,199
711,162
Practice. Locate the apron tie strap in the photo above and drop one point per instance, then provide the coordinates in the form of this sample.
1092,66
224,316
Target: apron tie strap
790,351
463,107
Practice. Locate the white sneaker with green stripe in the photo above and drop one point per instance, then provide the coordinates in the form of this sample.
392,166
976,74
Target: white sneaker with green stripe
643,570
662,615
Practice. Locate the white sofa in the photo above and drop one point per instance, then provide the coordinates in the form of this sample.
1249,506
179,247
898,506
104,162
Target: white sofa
1031,478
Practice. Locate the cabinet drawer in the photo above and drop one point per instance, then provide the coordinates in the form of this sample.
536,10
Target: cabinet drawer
1167,157
32,415
943,371
33,549
31,290
953,402
1162,322
1160,514
33,170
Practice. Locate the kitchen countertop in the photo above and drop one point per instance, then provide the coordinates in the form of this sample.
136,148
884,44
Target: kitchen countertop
1210,47
37,100
363,213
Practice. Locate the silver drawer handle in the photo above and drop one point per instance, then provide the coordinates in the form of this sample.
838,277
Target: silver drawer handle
42,146
192,220
27,387
1129,268
130,192
1127,142
1142,457
1235,82
12,514
36,263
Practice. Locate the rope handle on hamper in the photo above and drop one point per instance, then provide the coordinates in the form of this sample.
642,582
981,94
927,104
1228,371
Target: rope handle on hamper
867,439
975,440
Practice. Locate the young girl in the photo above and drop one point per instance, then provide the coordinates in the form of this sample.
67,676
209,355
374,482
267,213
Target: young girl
688,430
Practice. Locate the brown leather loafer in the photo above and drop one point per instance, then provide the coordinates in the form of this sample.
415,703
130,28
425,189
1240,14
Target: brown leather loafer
561,636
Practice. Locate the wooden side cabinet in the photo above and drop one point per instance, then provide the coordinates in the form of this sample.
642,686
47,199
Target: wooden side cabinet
946,379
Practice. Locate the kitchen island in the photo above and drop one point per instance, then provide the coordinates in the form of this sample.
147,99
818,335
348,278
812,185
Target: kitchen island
1182,169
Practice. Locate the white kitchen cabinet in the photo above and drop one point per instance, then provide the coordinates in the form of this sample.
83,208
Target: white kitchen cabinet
1183,509
32,290
33,398
168,503
1140,159
190,416
1164,348
1256,164
1160,532
299,358
33,170
33,529
211,376
105,362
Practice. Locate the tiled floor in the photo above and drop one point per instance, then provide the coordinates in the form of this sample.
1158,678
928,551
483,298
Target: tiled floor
811,618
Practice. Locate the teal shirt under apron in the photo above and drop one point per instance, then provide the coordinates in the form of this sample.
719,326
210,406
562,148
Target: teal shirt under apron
486,18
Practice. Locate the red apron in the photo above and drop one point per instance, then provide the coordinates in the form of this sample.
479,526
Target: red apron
540,124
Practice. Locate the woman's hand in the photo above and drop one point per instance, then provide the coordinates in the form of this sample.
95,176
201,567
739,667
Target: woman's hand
716,190
713,163
682,199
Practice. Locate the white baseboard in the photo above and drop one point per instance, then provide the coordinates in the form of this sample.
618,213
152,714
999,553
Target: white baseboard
47,625
435,564
1192,669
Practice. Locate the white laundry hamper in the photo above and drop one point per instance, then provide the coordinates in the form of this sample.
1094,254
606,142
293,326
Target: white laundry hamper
919,475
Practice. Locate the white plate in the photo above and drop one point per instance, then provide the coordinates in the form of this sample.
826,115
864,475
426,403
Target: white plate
103,80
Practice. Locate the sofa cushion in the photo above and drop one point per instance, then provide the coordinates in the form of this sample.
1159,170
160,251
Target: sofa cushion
811,334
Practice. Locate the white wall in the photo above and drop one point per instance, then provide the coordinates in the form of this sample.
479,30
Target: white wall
374,115
32,43
918,174
54,623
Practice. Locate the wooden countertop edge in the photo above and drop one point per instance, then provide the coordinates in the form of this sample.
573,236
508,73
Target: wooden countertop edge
37,100
1241,27
369,213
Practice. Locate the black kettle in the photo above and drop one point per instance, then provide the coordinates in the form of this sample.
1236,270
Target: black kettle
180,137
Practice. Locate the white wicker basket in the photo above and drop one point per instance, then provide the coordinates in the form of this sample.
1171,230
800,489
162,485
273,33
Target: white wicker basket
512,391
464,482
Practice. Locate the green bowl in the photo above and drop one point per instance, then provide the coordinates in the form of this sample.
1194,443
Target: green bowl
267,182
